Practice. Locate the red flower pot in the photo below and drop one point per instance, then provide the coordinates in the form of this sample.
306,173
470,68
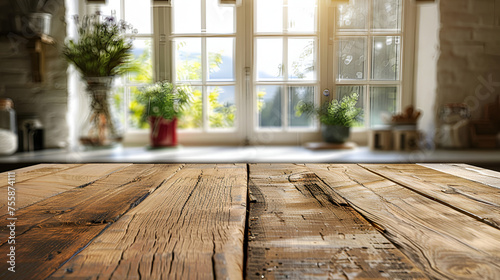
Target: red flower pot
163,133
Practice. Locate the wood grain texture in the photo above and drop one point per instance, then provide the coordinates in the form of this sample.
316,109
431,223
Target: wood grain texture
42,181
51,231
443,242
299,228
33,171
473,173
192,227
471,198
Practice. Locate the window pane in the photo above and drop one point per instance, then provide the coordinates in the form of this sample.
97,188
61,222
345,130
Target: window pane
296,94
187,16
301,53
192,115
269,59
383,100
348,90
112,8
222,106
141,62
220,59
219,19
302,15
118,93
269,106
188,59
386,56
387,14
352,58
136,110
269,16
353,16
138,13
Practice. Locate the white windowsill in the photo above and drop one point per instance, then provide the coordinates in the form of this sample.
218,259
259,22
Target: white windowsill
253,154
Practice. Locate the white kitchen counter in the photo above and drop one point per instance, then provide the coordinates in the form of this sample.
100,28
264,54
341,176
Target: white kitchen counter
253,154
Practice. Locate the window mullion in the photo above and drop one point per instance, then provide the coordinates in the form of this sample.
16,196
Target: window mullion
204,73
204,67
285,16
122,10
284,72
203,16
368,65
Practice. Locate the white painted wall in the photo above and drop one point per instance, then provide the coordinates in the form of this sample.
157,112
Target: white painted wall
426,57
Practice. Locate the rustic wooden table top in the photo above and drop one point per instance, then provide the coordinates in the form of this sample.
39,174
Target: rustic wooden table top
256,221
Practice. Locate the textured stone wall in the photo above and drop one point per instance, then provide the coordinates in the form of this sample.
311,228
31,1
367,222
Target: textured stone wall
468,69
49,99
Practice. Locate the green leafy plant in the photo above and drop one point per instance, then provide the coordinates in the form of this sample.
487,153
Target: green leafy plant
163,99
102,48
341,113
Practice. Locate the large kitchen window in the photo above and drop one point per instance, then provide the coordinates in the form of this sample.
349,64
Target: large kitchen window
249,66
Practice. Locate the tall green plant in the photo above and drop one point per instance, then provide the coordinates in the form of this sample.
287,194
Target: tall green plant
341,113
102,48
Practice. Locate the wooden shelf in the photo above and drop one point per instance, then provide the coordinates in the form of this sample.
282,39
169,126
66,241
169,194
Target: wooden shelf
36,47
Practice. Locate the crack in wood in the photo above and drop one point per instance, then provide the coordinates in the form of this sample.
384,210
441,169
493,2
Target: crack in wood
189,197
214,270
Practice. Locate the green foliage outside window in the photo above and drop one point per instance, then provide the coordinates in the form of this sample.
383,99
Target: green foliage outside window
221,115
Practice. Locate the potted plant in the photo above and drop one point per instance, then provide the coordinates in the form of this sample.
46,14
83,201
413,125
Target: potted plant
163,104
101,52
336,117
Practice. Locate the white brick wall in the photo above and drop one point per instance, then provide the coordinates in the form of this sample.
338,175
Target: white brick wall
470,52
48,100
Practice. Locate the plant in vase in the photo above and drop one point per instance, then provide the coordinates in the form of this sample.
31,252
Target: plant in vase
163,104
336,117
101,52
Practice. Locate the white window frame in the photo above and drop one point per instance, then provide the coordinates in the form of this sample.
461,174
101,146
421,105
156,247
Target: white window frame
164,69
283,134
405,83
245,76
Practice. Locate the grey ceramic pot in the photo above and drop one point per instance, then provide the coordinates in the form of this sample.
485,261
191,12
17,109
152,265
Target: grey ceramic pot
335,133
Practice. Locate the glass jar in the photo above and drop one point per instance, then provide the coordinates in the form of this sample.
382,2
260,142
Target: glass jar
8,131
101,128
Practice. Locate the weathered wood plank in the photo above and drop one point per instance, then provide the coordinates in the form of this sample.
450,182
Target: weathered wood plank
473,173
475,199
445,243
37,170
51,231
299,228
192,227
37,184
